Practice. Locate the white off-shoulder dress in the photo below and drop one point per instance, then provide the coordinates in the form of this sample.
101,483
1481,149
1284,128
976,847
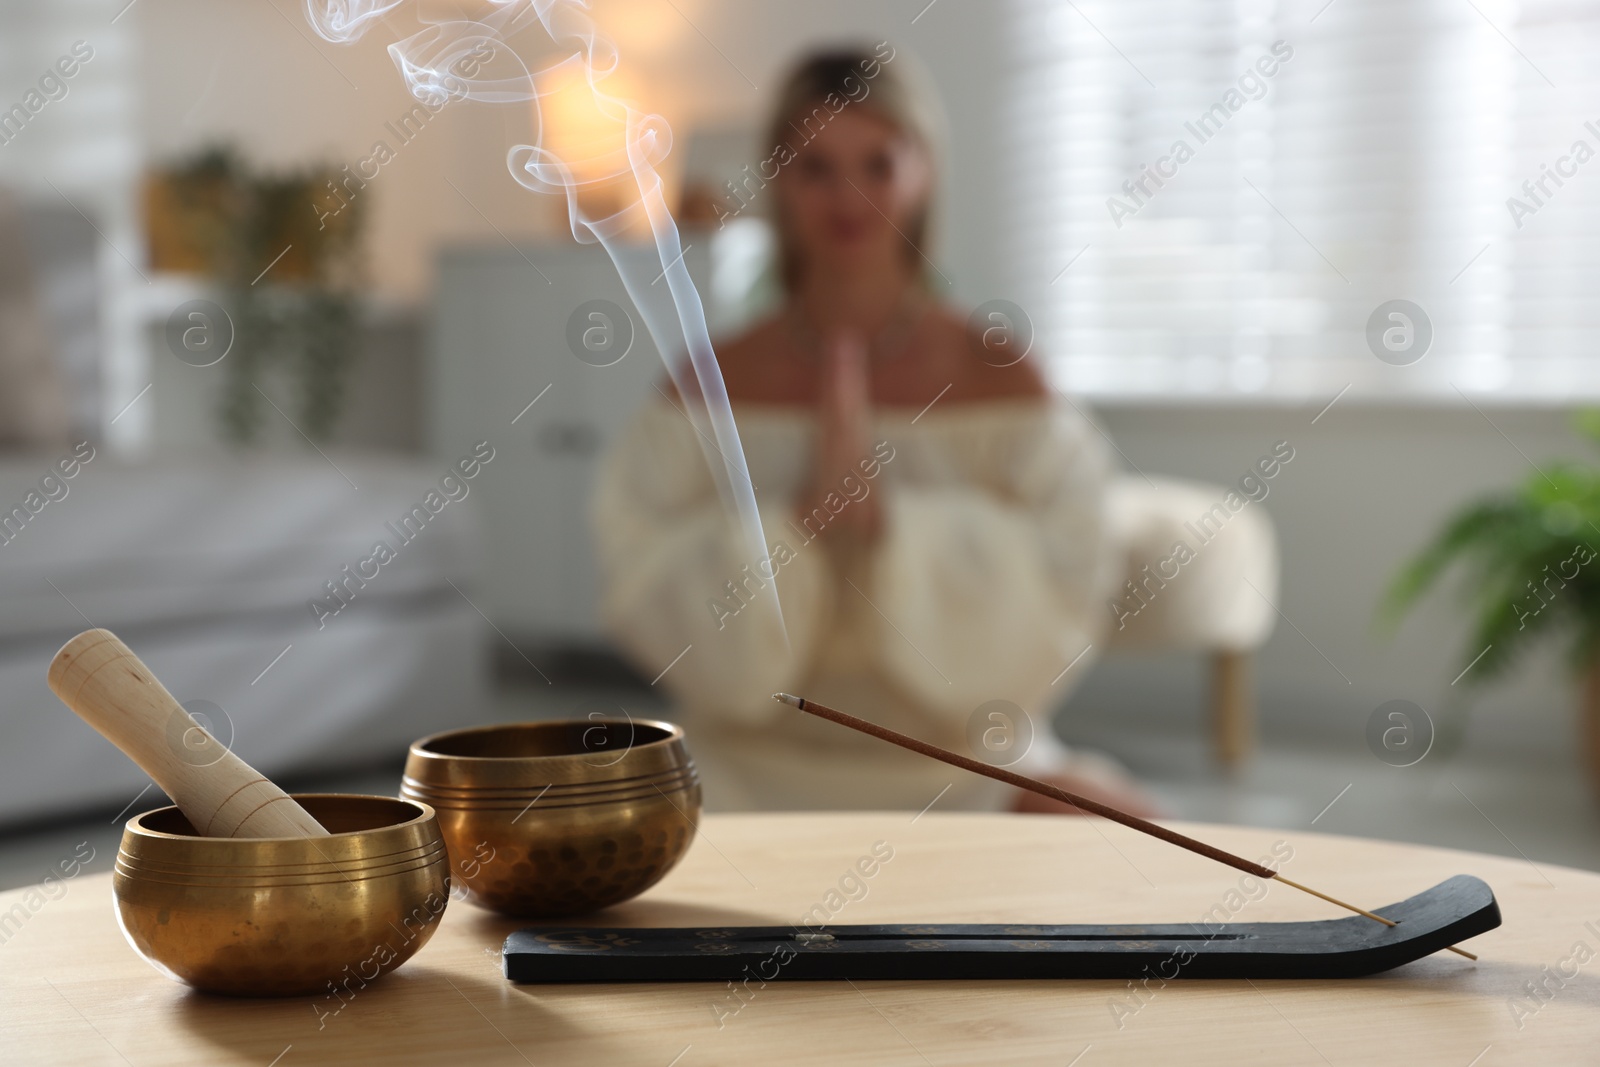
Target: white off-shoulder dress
987,582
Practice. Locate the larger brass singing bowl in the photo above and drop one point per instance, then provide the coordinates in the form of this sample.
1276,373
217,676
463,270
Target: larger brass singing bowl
276,916
554,818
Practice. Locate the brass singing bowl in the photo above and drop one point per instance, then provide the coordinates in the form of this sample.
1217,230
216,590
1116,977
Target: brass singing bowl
555,818
276,916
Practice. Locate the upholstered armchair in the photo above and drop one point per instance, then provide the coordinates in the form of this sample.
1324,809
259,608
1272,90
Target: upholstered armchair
1217,595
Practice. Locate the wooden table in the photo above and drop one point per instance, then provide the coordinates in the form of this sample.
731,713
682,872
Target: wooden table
72,992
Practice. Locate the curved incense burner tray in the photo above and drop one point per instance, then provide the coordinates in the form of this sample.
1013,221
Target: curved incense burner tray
1352,947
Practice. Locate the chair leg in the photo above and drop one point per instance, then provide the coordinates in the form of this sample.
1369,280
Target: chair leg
1589,726
1232,708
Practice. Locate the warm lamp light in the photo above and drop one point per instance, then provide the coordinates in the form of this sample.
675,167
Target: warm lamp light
586,127
586,132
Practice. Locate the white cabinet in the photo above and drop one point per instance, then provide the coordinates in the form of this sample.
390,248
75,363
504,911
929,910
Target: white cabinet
501,340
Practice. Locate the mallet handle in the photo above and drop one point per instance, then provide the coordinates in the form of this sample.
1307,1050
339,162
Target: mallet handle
111,689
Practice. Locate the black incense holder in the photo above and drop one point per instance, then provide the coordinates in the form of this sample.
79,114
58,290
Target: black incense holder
1451,911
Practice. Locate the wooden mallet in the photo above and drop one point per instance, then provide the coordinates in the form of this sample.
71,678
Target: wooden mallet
1033,785
100,678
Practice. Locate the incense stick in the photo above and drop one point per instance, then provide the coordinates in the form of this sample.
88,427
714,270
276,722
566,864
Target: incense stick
1033,785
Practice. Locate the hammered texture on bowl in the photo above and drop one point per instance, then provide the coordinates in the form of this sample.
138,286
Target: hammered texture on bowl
554,819
284,916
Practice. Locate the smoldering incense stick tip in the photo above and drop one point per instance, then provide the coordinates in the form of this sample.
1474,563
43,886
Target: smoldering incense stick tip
789,699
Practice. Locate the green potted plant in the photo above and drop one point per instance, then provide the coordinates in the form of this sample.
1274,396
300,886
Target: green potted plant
288,267
1526,560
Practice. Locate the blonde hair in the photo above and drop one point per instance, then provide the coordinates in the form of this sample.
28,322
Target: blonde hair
874,79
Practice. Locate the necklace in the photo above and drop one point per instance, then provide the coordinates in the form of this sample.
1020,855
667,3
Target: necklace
885,346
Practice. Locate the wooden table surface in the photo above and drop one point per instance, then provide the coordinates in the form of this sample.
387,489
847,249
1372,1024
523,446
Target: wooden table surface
72,991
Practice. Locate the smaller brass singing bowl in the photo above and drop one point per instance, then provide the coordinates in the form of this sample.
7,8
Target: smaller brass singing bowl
278,916
546,819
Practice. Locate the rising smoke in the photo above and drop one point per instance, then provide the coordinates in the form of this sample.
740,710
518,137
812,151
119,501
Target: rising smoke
444,62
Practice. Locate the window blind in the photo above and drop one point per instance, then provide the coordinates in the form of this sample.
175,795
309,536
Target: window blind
1211,198
70,144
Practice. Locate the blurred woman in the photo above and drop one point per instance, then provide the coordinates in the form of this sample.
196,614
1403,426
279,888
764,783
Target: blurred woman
934,513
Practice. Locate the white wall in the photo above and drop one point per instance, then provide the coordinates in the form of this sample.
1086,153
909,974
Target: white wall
78,150
253,72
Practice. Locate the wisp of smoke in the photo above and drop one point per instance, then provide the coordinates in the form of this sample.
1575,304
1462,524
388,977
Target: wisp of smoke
342,21
454,60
